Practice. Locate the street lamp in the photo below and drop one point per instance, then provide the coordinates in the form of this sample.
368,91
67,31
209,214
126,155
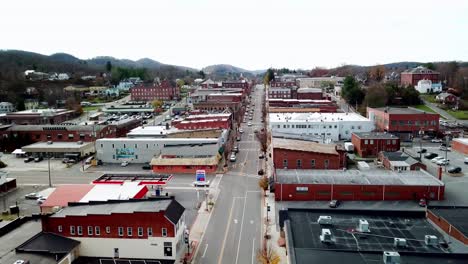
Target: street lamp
48,165
421,133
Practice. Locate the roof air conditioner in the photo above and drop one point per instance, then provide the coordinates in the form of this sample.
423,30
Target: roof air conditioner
431,240
49,142
363,226
399,242
391,257
80,142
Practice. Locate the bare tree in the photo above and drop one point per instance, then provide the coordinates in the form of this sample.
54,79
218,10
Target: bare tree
268,256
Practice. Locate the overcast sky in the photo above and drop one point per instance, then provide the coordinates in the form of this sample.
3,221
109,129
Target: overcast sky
246,33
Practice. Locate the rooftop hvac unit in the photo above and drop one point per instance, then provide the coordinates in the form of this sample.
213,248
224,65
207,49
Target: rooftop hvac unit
80,142
431,240
391,257
399,242
326,236
56,209
363,226
324,220
49,142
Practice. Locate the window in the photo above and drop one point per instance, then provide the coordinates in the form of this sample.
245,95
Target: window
285,163
72,230
97,230
372,142
90,230
394,141
38,136
346,193
140,231
129,231
326,162
80,230
164,232
366,142
312,163
368,193
299,163
388,142
82,136
60,228
70,136
327,193
149,231
49,137
302,189
59,136
120,231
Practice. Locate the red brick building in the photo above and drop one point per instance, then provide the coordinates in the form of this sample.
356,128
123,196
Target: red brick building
275,83
17,136
460,145
143,229
399,161
224,97
172,164
310,93
413,76
221,123
369,144
298,154
292,105
38,117
354,185
280,92
405,123
150,92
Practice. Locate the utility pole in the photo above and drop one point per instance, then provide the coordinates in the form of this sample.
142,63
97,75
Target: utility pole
48,165
446,149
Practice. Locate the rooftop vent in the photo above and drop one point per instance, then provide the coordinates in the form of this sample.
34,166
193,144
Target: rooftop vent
431,240
326,236
391,257
399,242
363,226
324,220
49,142
80,142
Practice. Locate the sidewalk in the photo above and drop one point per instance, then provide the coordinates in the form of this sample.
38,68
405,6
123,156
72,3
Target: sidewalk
272,228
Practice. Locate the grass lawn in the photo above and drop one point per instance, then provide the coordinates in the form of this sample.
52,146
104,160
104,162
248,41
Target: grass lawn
424,108
429,97
90,108
460,114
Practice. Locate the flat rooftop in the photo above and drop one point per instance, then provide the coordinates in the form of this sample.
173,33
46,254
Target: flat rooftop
309,90
151,131
456,216
316,117
375,135
299,100
353,246
57,146
402,110
301,145
42,112
357,177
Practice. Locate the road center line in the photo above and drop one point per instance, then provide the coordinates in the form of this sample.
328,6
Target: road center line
253,250
220,258
242,225
204,252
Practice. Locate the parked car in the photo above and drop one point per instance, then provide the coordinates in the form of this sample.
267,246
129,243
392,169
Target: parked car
235,149
41,200
238,139
124,164
20,261
466,161
454,170
443,162
430,155
32,196
89,160
261,172
423,150
334,203
436,159
233,158
444,148
261,155
99,162
38,159
436,140
249,124
422,202
147,166
201,183
28,159
68,161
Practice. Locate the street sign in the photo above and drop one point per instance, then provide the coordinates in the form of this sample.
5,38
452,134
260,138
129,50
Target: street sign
200,175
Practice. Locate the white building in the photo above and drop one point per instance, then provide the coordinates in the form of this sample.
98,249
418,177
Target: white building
6,107
323,126
426,86
142,150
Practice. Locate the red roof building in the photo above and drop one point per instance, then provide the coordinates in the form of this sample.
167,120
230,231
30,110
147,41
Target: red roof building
162,91
413,76
151,229
369,144
298,154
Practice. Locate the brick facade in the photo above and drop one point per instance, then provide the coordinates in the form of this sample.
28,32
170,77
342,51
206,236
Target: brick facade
293,159
371,146
150,92
447,227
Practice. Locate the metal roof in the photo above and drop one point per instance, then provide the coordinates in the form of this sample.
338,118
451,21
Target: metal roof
375,135
301,145
357,177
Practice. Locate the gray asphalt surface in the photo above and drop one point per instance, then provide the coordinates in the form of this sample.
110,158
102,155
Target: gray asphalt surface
233,234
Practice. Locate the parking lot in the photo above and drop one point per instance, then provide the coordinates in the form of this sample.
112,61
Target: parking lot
27,206
18,164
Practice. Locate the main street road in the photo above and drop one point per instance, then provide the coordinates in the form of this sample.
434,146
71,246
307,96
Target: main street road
233,234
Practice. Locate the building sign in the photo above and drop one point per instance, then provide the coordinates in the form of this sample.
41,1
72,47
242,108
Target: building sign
200,175
124,153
